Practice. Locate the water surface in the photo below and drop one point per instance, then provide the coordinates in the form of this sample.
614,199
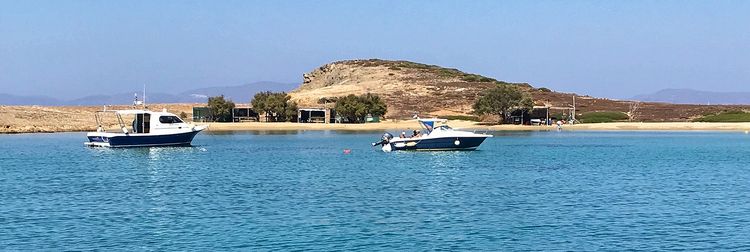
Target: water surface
298,190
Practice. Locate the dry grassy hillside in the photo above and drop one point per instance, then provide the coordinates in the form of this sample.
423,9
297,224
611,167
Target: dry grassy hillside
430,90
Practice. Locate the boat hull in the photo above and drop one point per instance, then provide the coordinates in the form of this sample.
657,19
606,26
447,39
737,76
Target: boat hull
141,140
443,143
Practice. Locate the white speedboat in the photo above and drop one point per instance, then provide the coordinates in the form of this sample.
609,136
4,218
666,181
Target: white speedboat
441,137
148,128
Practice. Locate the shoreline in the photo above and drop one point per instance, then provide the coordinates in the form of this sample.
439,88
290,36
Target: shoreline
50,119
408,125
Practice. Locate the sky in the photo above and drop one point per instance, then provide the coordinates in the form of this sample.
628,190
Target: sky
615,49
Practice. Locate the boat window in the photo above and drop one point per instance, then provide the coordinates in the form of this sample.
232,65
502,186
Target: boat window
142,123
445,127
169,119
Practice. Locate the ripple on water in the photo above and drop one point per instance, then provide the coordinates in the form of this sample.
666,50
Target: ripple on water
298,190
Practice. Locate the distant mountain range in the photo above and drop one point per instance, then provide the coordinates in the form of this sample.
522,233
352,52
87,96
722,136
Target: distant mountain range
690,96
238,94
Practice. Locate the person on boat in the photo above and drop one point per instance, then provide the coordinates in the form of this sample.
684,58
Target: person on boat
418,134
403,134
413,134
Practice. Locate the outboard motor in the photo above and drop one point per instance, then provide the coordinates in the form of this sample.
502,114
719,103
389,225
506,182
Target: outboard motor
385,139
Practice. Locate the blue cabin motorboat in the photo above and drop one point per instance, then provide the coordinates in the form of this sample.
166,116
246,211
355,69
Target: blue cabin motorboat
440,137
148,128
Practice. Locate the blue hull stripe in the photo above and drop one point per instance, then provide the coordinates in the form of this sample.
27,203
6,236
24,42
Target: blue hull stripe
448,143
146,140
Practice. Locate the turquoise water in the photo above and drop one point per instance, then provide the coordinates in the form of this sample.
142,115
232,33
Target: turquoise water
299,191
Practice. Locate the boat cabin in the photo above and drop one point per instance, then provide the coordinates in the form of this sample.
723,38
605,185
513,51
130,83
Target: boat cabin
144,121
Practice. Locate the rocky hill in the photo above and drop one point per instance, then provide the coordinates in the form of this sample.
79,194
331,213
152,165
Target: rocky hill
407,87
430,90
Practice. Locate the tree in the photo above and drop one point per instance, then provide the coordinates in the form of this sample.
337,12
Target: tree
375,105
351,108
501,99
357,108
278,107
220,108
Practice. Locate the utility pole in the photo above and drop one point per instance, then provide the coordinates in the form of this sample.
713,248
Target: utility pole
573,115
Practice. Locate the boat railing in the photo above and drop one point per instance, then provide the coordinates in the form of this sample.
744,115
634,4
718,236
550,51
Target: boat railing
99,121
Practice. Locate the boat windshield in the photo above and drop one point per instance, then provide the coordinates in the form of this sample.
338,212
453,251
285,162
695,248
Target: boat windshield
445,127
429,125
169,119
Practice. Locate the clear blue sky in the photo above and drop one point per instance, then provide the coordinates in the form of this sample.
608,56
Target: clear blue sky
604,48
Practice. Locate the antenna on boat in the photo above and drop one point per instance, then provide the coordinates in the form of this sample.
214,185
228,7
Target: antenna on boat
144,95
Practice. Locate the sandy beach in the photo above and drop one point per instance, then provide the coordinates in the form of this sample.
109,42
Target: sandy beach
39,119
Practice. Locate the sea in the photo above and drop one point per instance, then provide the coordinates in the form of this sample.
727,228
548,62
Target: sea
332,191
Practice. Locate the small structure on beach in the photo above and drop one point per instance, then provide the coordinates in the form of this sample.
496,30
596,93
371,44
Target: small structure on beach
537,115
201,114
245,114
316,115
540,115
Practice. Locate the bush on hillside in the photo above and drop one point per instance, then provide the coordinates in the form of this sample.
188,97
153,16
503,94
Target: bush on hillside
544,89
476,78
727,116
603,117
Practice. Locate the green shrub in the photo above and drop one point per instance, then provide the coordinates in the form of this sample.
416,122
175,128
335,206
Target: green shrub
470,78
502,99
394,68
727,116
278,107
486,79
407,64
476,78
220,108
602,117
356,108
544,89
449,72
